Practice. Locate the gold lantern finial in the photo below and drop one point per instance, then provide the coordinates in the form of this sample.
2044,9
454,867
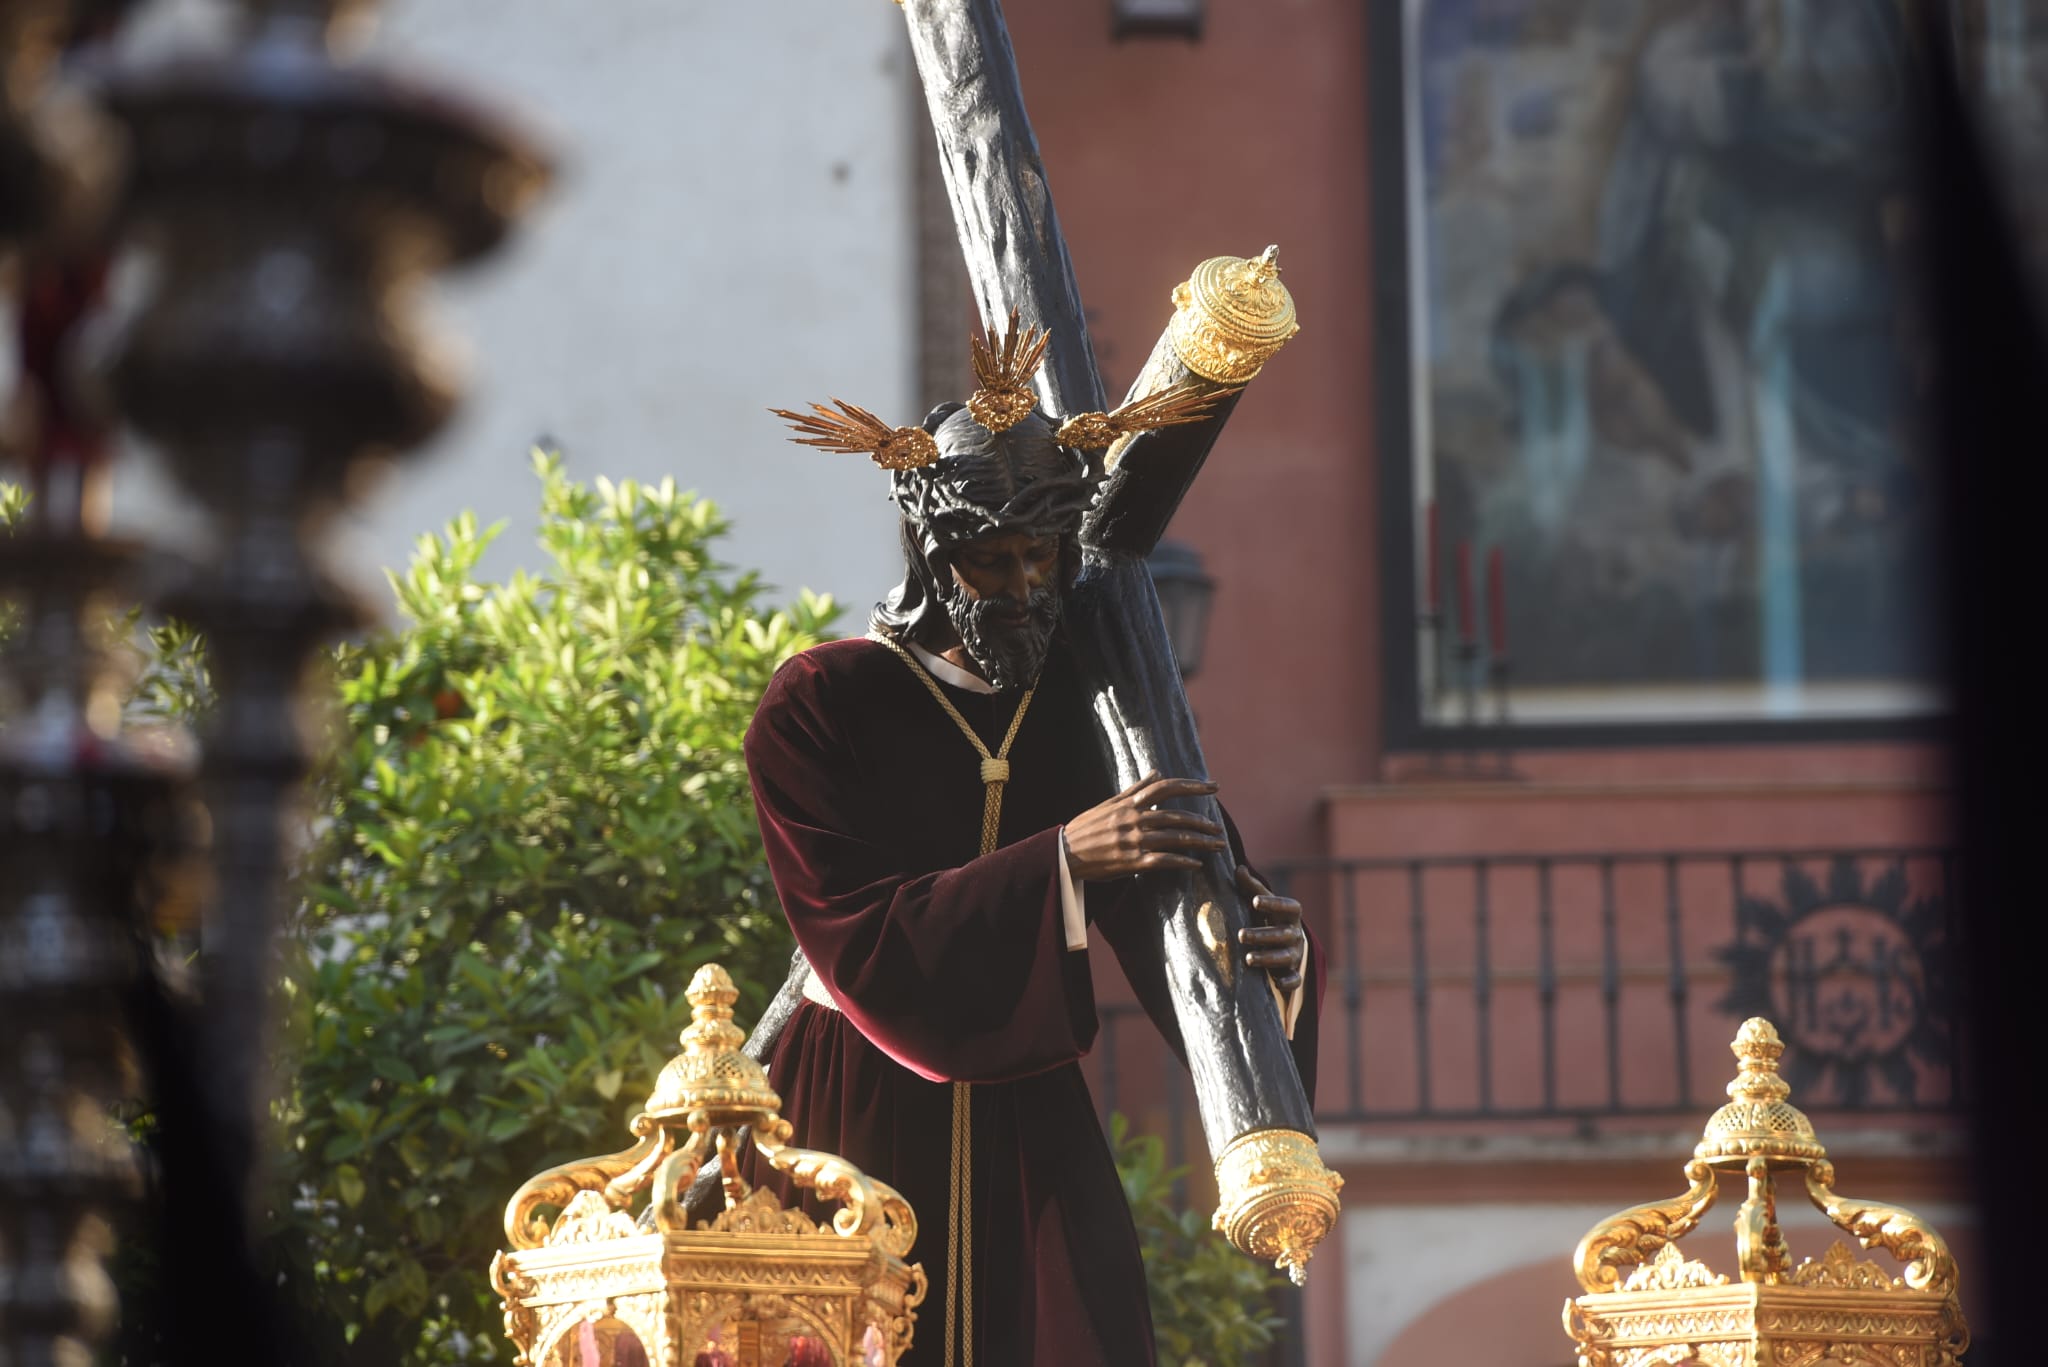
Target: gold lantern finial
751,1279
1758,1120
1646,1303
711,1084
1230,316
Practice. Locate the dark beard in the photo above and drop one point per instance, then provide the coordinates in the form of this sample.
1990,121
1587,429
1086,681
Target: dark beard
1008,654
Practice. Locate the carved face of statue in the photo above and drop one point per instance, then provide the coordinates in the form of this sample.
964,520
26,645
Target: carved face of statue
989,543
1005,603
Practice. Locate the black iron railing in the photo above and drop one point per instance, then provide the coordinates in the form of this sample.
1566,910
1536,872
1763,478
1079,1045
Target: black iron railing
1588,986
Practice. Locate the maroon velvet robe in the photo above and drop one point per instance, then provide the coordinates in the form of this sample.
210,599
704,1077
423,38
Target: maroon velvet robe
952,966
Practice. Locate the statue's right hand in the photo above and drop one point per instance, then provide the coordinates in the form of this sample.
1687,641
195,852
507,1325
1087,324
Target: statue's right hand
1131,833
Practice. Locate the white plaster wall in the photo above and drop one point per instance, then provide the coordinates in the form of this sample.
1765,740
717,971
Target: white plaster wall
1401,1260
732,228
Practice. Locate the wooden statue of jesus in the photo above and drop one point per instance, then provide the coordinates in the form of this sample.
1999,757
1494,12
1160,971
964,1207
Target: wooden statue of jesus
945,837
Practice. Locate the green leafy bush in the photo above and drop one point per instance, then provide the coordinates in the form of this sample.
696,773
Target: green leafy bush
1211,1305
13,514
535,826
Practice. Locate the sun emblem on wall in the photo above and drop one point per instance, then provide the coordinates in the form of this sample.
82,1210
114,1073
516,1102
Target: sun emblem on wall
1855,973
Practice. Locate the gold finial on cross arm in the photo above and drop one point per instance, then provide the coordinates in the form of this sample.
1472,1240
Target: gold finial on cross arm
1230,316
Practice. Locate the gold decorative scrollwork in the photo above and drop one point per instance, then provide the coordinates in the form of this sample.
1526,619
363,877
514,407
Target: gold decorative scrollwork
672,1182
1626,1239
1671,1270
1840,1268
558,1185
1847,1353
589,1219
868,1206
1955,1337
522,1324
1901,1233
1586,1333
760,1213
1670,1355
699,1315
896,1322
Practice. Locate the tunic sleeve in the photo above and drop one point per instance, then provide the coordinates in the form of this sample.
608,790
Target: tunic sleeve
959,974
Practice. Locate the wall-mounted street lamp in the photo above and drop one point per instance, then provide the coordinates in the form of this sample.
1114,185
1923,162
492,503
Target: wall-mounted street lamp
1156,18
1184,596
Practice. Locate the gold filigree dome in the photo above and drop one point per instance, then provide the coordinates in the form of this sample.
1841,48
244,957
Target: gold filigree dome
711,1079
1231,315
1758,1121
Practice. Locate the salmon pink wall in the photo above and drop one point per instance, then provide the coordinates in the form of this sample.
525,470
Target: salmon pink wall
1162,153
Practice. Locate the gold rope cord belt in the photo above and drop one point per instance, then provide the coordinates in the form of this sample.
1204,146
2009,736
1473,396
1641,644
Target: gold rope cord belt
995,772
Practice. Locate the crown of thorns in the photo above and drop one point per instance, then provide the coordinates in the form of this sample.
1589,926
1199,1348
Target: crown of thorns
1003,397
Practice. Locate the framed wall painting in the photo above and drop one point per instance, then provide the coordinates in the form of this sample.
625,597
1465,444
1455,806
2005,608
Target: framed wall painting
1648,370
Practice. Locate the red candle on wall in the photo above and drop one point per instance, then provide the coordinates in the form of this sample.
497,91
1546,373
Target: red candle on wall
1465,631
1432,563
1496,604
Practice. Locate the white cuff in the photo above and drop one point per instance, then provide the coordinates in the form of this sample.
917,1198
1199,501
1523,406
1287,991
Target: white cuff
1073,902
1290,1005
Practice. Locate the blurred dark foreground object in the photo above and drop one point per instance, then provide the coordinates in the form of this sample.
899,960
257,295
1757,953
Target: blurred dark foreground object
1987,432
293,203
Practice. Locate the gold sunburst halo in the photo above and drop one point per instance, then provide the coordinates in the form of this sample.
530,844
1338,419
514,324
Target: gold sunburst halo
1003,367
1183,403
1004,363
852,430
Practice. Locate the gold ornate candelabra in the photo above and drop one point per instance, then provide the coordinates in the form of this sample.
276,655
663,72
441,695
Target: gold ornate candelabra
757,1285
1646,1305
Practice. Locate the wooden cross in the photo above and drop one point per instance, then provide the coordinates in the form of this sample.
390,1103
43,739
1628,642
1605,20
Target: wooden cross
1244,1076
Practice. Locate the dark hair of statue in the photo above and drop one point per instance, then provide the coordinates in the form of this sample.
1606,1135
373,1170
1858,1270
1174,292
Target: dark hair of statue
984,482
